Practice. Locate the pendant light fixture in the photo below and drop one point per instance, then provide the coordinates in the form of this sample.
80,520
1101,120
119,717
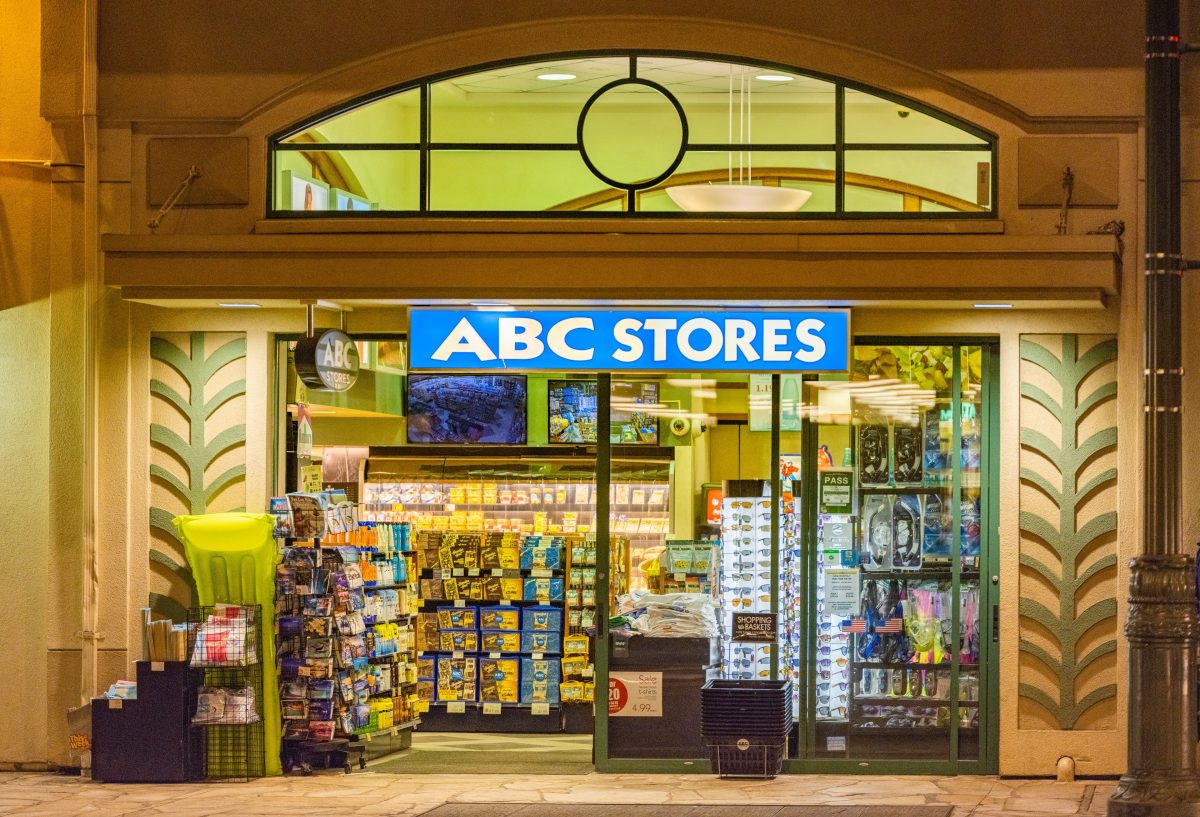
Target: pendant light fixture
742,196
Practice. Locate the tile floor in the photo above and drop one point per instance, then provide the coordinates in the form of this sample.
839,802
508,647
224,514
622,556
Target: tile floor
369,793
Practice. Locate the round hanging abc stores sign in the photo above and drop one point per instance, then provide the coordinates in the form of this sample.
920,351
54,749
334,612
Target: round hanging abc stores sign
328,361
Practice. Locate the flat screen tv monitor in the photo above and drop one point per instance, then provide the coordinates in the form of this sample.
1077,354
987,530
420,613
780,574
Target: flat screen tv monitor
572,408
632,417
447,408
572,405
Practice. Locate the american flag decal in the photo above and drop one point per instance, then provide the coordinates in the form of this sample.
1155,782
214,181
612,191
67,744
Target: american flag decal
859,625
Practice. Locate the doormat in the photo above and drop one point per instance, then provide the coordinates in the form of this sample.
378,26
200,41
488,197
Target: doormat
423,761
627,810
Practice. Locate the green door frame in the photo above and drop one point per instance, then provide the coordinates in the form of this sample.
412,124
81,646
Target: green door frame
988,760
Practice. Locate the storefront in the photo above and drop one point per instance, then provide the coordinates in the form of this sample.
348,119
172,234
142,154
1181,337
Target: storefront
681,488
910,489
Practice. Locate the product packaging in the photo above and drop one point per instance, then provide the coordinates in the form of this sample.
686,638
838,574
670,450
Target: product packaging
498,679
540,642
460,640
540,681
542,619
499,618
499,641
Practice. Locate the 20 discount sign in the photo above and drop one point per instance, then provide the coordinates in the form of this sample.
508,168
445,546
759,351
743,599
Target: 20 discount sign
603,340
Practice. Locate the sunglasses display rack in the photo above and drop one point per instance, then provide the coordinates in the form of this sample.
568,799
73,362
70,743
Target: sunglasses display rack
834,550
792,595
745,581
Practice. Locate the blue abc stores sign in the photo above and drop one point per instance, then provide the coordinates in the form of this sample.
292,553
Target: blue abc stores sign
646,340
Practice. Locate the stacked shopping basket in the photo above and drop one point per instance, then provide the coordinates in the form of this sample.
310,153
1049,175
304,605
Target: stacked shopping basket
746,726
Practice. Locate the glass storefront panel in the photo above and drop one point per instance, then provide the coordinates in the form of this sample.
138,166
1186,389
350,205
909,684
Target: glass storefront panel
900,180
805,170
347,180
395,118
508,179
873,119
737,104
897,661
531,102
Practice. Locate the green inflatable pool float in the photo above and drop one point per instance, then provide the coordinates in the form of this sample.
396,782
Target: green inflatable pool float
233,558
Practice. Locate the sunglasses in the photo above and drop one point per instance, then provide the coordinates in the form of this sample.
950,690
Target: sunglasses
749,662
827,662
744,650
843,687
838,712
842,650
736,602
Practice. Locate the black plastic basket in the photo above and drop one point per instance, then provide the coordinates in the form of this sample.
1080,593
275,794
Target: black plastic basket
747,759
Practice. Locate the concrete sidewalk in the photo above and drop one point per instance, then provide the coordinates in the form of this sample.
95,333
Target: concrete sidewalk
368,793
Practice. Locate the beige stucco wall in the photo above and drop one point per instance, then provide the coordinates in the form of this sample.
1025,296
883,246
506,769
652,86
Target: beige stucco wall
163,72
25,309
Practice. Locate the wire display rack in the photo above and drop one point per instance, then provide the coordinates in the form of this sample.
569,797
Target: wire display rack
225,650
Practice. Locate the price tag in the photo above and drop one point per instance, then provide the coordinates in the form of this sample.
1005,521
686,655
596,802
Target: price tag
506,602
498,571
447,574
493,655
458,654
541,573
367,738
589,671
491,708
395,731
422,706
680,577
474,571
540,709
157,666
460,602
116,703
458,571
456,708
537,656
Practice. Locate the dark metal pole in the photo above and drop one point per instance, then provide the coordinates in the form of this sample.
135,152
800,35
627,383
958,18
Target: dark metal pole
1161,778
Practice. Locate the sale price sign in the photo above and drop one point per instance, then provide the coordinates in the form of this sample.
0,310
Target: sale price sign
635,694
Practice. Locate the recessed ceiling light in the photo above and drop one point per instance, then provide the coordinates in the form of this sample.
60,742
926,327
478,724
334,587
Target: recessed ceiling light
993,306
554,77
774,78
240,306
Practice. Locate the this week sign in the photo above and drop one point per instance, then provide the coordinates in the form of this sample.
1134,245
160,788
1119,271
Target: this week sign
646,340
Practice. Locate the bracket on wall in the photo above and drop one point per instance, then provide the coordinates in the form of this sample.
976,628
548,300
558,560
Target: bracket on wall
194,172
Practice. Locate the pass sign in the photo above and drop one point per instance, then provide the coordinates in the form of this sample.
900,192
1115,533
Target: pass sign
604,340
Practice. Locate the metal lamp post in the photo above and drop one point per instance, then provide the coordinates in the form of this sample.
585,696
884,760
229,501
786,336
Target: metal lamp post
1161,778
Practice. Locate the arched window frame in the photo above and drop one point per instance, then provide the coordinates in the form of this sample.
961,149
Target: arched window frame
840,147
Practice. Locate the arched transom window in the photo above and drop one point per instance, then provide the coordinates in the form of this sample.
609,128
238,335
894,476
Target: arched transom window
633,135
